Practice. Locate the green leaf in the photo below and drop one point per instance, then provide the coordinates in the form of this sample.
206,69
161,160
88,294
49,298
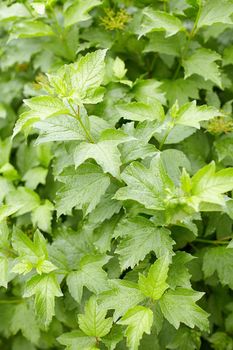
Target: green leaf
140,111
35,176
148,90
159,21
107,207
122,296
224,146
158,42
30,330
154,285
5,149
227,56
114,337
77,11
138,321
89,274
219,259
179,306
23,200
30,29
79,83
119,68
191,115
174,160
213,11
185,339
140,236
25,122
42,216
46,106
4,258
105,153
146,186
208,185
221,341
61,128
10,13
79,187
77,340
181,90
93,322
32,254
89,71
179,275
45,288
202,63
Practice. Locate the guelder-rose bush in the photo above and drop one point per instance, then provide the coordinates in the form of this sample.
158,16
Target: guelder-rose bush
116,172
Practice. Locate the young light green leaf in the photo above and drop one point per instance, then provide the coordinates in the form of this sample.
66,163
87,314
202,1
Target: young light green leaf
89,274
93,322
119,68
79,187
159,21
80,82
202,62
208,185
191,115
25,122
140,236
179,306
138,321
32,254
45,288
154,285
46,106
89,71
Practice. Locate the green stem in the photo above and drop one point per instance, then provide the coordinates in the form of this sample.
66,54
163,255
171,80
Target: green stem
208,241
165,5
166,135
11,301
77,116
190,36
29,8
8,251
195,30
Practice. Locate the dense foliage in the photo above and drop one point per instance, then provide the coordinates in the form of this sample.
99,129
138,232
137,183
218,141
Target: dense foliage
116,172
